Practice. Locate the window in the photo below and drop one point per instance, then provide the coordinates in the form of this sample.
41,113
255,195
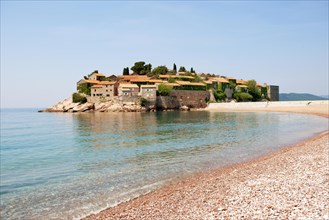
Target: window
95,90
106,90
107,95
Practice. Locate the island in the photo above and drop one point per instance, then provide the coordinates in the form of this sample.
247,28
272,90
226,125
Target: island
147,89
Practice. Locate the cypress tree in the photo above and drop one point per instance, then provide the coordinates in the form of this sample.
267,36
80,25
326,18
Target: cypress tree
175,68
182,69
125,71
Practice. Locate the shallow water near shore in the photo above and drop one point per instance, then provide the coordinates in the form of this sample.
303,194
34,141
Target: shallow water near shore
65,166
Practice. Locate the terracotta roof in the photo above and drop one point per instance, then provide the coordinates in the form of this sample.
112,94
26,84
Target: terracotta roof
182,82
229,77
92,81
259,85
124,85
133,76
241,81
186,83
96,86
220,79
242,86
139,80
99,74
197,84
185,77
147,86
208,82
156,81
174,76
172,84
106,83
165,76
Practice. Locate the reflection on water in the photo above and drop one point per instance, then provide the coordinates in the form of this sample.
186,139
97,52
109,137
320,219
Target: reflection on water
67,165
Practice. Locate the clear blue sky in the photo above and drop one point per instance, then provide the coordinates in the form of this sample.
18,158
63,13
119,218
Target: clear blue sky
47,46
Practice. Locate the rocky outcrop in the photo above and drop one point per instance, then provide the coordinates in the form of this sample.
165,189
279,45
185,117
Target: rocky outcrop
62,106
67,105
177,100
83,107
184,108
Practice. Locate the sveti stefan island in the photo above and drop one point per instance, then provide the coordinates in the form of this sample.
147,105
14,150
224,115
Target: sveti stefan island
160,89
164,110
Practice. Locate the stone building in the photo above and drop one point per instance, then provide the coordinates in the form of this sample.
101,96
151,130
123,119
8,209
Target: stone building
96,76
103,91
273,92
148,92
128,92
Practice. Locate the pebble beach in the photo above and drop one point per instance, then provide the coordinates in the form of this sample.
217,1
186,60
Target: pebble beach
292,183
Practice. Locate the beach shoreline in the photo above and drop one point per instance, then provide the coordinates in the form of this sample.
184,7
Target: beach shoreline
289,183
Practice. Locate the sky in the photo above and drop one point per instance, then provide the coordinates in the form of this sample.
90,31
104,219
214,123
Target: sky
47,46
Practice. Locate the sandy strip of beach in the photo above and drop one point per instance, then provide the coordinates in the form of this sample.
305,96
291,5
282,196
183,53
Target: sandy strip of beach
292,183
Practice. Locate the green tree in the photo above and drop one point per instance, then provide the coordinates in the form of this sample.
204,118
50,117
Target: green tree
253,90
219,95
175,68
197,78
84,88
243,97
141,69
138,67
232,85
182,69
143,101
192,70
160,70
76,97
171,80
164,90
147,69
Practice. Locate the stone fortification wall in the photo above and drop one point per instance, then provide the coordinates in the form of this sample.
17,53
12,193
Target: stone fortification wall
179,98
167,102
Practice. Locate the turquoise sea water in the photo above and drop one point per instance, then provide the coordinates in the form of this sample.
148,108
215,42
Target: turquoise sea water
65,166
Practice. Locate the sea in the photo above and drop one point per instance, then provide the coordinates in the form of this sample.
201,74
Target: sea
66,166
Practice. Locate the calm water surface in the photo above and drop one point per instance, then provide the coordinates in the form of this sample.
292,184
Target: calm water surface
65,166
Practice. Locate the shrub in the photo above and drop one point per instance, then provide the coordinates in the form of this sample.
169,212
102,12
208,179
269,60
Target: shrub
164,89
243,97
171,80
143,101
79,98
84,88
253,90
159,70
219,95
232,85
